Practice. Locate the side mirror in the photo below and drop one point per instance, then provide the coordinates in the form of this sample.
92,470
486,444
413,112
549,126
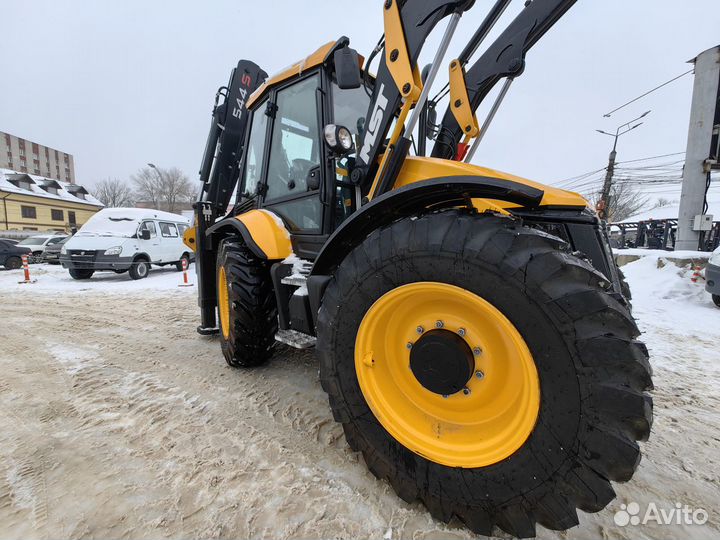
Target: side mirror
145,234
347,68
313,179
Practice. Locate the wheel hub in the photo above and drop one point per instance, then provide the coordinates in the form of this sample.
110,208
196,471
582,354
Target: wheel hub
442,362
465,392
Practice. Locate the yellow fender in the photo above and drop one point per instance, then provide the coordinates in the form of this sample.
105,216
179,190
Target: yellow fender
265,234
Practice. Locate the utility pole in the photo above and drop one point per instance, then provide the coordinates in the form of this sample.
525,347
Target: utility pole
603,205
698,162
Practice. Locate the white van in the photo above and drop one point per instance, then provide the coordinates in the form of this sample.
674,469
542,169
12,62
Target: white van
126,240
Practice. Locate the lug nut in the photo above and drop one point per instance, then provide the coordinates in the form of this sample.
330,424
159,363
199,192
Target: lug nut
420,329
409,345
479,374
477,351
439,324
461,332
466,391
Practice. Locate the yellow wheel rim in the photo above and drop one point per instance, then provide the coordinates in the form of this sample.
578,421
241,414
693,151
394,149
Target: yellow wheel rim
223,303
482,424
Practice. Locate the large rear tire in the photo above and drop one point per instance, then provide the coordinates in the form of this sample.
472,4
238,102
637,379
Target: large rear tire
590,371
247,309
716,299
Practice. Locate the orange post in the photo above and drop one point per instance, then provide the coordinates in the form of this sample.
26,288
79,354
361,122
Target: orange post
26,270
696,274
185,276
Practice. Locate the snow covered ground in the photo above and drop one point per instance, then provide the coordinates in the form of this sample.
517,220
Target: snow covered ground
54,279
118,420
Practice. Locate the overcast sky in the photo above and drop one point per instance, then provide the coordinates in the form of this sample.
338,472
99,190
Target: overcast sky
121,83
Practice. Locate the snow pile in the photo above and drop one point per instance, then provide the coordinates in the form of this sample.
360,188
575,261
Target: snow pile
54,279
673,311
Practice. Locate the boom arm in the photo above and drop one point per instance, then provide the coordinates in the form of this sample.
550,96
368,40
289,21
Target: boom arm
219,176
504,58
398,79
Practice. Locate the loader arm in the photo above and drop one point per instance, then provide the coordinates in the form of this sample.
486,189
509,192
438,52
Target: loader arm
397,85
504,58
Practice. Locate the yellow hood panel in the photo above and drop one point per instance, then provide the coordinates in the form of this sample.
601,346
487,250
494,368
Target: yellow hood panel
416,169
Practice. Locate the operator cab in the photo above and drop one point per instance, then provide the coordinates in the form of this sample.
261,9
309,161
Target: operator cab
288,163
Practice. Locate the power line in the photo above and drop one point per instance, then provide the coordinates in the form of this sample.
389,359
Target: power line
607,115
652,157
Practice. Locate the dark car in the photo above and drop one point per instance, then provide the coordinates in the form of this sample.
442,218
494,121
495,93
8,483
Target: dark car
10,254
51,254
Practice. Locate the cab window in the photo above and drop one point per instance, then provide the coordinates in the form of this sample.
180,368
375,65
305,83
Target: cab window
349,109
149,226
255,152
168,230
295,146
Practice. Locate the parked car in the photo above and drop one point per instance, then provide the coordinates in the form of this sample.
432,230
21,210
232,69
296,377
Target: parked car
39,243
51,254
126,240
13,241
10,254
712,276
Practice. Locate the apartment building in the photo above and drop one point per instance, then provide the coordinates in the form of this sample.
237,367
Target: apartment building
29,157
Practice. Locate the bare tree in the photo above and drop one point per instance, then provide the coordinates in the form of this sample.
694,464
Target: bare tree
176,189
113,193
147,186
662,202
163,189
625,201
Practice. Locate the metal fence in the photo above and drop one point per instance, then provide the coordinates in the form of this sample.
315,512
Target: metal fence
657,234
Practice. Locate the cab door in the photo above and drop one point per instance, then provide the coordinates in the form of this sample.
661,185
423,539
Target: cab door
152,244
294,163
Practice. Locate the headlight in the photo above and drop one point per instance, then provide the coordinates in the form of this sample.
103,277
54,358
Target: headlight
338,138
715,259
63,250
117,250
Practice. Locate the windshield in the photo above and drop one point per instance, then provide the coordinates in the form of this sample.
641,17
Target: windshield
113,225
350,107
34,241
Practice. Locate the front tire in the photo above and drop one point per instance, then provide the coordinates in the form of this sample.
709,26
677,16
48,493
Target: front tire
247,310
716,299
81,274
591,372
139,269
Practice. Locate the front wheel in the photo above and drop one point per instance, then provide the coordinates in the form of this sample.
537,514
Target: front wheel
716,299
139,269
484,370
81,274
247,309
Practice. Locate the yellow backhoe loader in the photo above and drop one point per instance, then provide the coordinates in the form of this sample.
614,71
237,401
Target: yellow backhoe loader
473,334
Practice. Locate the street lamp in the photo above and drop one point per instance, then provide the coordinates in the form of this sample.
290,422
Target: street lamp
603,203
623,129
159,173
